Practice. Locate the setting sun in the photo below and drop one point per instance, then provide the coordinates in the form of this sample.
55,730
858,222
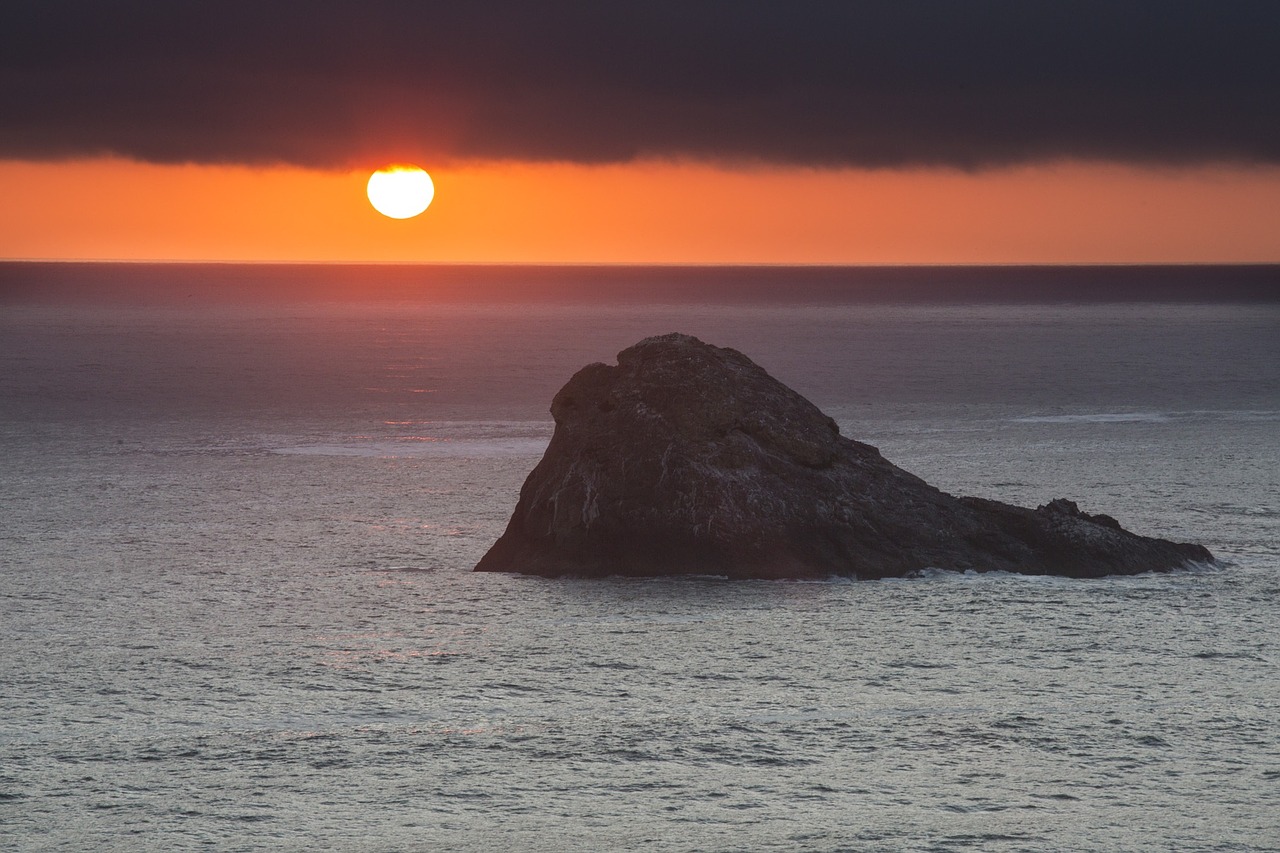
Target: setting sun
400,191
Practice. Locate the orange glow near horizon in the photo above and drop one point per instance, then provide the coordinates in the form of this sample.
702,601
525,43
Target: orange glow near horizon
650,212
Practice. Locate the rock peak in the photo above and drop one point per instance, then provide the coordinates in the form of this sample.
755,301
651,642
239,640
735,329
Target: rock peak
688,458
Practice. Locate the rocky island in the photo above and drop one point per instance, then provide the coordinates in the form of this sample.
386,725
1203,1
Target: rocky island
687,458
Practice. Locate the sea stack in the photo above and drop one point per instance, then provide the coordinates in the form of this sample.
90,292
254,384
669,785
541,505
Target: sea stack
690,459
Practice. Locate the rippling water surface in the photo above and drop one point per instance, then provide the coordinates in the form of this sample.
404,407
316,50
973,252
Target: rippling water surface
236,609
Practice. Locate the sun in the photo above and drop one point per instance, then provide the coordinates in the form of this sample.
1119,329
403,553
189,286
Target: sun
400,191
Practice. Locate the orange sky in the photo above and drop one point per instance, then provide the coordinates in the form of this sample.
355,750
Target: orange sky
646,212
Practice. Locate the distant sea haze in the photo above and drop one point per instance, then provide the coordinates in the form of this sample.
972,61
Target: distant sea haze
149,282
241,505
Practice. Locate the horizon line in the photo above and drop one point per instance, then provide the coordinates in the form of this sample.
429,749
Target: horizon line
657,264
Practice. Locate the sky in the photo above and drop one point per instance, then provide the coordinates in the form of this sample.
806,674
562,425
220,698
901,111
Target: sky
670,132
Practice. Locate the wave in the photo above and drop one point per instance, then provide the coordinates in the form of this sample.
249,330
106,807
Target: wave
1097,418
419,446
1152,417
971,576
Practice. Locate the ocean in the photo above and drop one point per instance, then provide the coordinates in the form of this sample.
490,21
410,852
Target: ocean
240,505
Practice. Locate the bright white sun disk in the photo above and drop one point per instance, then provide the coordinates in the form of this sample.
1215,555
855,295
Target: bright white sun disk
400,192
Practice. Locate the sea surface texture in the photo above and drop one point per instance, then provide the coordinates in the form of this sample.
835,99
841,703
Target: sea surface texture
239,509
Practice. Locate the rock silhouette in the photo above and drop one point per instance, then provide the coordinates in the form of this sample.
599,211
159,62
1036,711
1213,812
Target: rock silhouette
686,458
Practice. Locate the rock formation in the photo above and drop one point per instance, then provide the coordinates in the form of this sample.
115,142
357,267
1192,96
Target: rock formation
687,458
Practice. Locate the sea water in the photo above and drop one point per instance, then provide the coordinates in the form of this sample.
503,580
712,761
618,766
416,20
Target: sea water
238,518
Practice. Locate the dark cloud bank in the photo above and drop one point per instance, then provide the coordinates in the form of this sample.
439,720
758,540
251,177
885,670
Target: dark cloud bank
324,83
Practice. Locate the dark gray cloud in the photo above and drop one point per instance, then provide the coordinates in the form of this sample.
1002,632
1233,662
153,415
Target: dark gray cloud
325,83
